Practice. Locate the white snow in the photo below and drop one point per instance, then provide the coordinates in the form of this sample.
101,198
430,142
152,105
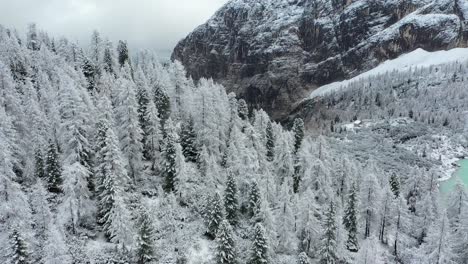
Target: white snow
415,59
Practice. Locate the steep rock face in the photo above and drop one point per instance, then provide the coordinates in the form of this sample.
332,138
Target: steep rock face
274,52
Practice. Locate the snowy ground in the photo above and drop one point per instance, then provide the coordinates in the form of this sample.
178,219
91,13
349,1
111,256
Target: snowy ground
416,59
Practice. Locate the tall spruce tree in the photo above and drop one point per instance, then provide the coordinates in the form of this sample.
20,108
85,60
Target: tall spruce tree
328,248
226,251
53,169
39,168
163,104
255,202
231,203
19,253
350,220
169,165
213,214
188,139
122,53
303,259
145,246
395,184
270,142
298,129
259,246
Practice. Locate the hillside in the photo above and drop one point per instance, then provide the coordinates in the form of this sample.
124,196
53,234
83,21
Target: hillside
273,53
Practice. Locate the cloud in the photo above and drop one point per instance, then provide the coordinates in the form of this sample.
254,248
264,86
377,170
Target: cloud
148,24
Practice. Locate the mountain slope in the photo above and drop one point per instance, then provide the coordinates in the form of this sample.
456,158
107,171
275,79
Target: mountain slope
274,52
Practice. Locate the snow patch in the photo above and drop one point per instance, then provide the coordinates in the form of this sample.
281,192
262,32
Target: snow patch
415,59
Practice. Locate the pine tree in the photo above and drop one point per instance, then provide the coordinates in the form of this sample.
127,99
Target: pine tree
188,139
169,166
130,133
395,184
226,251
328,249
151,134
270,142
243,109
259,246
162,102
53,170
213,215
303,259
122,53
108,60
145,247
231,203
55,249
19,253
90,72
255,202
350,220
112,178
298,129
39,168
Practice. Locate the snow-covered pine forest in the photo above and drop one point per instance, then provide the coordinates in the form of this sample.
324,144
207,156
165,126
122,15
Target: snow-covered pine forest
109,156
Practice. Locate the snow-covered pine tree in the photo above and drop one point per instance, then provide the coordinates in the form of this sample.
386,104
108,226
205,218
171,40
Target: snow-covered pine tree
226,249
168,159
350,219
298,130
122,53
39,166
53,169
395,184
439,246
163,104
188,139
113,180
213,214
18,251
231,203
255,202
327,252
151,134
259,246
145,238
243,109
270,142
130,133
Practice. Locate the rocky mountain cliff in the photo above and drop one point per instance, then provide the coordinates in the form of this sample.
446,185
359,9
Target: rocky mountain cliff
275,52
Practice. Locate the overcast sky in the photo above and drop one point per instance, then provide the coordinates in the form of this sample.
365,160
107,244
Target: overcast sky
145,24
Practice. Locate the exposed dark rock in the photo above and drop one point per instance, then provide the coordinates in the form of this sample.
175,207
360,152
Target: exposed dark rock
274,53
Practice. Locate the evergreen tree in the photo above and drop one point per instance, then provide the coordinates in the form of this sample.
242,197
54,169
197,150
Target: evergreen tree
53,170
350,220
298,129
108,60
163,104
231,203
151,134
19,253
226,251
145,247
213,214
122,53
303,259
188,139
395,184
328,249
255,202
270,142
169,165
90,72
39,168
130,133
243,109
55,249
112,179
259,246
